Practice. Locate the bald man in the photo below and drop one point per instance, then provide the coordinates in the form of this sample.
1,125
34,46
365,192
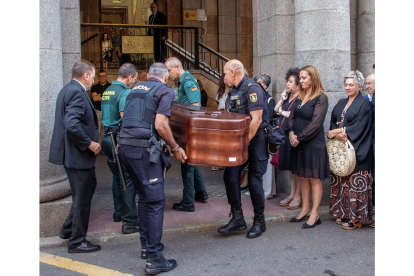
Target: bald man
247,97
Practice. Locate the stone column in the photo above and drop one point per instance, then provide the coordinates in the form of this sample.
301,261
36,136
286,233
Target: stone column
366,37
322,29
56,62
353,8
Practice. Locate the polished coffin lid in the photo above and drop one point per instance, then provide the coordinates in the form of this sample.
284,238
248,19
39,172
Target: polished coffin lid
210,137
203,117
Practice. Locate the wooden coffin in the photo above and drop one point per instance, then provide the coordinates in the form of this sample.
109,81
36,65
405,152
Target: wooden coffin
210,137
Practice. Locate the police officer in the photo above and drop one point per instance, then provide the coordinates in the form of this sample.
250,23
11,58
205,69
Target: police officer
145,122
188,93
112,105
247,97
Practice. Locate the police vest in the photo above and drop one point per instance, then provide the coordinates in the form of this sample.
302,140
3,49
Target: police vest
238,103
140,108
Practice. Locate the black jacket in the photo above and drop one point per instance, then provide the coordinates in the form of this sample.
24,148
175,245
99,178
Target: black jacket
76,125
160,19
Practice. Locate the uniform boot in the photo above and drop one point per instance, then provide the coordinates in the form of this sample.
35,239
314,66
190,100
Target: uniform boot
236,223
259,227
159,264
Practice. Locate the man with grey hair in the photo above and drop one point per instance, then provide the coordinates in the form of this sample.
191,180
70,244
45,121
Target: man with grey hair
112,105
145,127
188,93
74,145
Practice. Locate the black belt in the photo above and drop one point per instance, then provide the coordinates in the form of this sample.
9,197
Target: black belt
135,142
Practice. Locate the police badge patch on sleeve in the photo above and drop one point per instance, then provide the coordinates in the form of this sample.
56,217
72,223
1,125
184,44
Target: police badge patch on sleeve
253,97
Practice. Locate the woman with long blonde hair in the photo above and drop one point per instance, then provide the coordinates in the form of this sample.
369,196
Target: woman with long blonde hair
309,157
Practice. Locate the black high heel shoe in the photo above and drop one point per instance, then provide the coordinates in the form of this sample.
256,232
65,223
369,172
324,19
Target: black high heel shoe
300,219
317,222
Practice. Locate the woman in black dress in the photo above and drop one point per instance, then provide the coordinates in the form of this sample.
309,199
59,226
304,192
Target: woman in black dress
309,157
351,196
283,108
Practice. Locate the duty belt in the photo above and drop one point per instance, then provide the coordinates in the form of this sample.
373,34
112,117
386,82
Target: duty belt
135,142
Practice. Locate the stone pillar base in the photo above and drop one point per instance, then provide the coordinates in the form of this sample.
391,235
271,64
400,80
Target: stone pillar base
52,214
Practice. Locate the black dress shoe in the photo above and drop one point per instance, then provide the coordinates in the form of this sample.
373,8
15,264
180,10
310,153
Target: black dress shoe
236,223
184,207
117,219
317,222
201,196
144,251
129,228
300,219
158,265
64,237
259,227
85,247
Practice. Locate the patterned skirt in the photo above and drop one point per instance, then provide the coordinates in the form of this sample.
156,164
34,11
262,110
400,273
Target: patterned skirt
351,197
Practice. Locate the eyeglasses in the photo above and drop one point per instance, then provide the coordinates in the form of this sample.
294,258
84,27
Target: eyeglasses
369,83
101,76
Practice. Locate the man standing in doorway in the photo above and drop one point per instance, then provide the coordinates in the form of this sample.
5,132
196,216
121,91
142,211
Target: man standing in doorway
158,18
74,145
96,92
113,103
188,93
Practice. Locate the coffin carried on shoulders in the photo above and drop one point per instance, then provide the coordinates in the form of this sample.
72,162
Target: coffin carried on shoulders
210,137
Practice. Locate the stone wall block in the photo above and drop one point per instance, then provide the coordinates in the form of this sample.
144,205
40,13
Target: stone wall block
227,7
285,41
283,64
50,71
310,5
49,25
266,38
332,66
256,42
366,33
58,210
191,4
353,8
353,36
285,7
268,66
365,62
366,7
266,10
70,31
70,4
323,30
228,43
68,60
227,24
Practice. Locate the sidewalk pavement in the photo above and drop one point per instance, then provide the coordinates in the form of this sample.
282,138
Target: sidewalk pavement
208,216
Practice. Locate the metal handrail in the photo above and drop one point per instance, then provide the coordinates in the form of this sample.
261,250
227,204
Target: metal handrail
90,38
212,51
143,26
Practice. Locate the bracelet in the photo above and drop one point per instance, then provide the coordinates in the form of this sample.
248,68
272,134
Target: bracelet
177,148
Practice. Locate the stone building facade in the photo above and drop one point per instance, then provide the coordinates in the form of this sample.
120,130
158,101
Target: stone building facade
266,35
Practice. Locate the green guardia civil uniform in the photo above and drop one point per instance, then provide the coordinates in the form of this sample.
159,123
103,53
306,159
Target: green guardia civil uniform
113,102
188,89
189,92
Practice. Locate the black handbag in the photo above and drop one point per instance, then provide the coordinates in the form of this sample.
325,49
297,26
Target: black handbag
107,55
275,136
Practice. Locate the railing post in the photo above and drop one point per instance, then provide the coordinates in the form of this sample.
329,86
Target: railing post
197,54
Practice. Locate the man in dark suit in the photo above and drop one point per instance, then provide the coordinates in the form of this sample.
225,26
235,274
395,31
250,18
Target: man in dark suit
74,145
158,18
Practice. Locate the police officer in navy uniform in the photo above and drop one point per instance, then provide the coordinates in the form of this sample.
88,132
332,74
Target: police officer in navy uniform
145,127
247,97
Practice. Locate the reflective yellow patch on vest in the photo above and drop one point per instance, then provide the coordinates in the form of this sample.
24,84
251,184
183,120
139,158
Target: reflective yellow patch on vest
253,97
194,89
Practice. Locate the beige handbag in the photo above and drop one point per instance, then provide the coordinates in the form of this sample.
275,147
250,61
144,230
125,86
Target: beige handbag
342,159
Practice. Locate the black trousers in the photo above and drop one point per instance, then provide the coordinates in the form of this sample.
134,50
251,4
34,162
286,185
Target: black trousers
82,185
149,183
258,158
